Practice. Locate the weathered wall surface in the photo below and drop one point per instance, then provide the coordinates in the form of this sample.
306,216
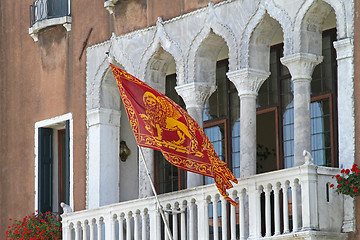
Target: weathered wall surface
44,79
356,235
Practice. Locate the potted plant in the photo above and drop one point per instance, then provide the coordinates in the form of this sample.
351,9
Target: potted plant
348,183
35,226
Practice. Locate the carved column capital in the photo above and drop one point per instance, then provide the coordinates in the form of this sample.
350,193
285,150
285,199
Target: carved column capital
195,94
301,65
247,80
344,48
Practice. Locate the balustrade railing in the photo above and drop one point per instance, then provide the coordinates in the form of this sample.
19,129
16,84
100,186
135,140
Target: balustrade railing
46,9
271,206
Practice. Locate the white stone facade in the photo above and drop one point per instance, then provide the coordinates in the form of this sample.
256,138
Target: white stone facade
192,43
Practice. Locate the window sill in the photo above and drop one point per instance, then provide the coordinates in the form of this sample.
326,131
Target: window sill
34,30
110,5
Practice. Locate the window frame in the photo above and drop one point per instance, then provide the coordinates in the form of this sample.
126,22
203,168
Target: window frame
55,123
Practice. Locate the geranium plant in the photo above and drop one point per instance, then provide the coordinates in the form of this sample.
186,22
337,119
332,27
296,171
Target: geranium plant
36,226
348,183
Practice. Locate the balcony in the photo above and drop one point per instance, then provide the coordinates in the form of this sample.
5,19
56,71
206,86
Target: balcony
285,204
46,13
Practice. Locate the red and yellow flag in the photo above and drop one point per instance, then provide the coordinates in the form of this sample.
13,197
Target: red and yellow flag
160,124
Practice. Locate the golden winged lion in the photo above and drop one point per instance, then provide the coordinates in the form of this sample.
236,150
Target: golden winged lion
161,115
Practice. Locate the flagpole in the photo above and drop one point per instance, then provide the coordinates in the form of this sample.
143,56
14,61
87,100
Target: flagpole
156,196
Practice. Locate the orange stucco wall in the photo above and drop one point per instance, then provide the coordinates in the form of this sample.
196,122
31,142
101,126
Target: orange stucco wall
44,79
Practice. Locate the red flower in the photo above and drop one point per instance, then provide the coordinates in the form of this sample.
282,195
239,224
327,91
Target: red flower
339,179
337,176
339,185
356,190
347,171
332,185
347,182
342,170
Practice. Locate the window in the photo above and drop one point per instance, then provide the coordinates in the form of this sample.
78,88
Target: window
275,114
169,178
222,124
276,97
46,9
53,163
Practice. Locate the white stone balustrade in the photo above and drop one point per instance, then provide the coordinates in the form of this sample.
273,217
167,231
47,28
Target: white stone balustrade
275,205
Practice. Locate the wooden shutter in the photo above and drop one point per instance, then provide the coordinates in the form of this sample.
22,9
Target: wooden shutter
45,174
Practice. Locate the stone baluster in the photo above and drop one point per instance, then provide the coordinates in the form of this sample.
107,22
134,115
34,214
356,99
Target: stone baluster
85,227
136,226
155,227
242,215
110,227
215,218
121,227
285,188
66,230
224,226
267,211
166,213
203,219
92,230
183,222
192,221
128,226
77,231
143,225
255,211
248,82
301,67
233,219
99,229
277,210
195,95
175,223
294,206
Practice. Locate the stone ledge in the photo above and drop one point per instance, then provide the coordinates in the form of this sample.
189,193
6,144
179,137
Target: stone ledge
311,235
38,26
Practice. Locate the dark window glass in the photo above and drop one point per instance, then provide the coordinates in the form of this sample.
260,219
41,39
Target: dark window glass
323,105
169,178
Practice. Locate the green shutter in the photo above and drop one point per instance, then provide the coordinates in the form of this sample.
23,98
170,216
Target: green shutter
45,169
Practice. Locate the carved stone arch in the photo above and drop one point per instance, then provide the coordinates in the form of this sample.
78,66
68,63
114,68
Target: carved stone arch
282,17
245,39
341,18
160,51
120,56
209,41
203,56
102,91
259,40
309,24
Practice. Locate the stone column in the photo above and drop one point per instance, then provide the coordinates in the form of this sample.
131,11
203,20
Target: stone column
346,118
103,157
195,95
145,189
247,82
301,67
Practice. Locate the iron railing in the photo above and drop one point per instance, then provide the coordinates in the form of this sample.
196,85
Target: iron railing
46,9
